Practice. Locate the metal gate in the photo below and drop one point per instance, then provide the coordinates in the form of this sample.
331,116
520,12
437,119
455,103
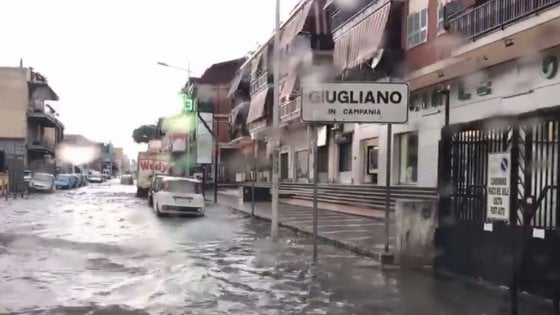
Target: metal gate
533,141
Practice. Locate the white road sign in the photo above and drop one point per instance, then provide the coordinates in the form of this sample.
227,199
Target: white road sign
498,186
375,102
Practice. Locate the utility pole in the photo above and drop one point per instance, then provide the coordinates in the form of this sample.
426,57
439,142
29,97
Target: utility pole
275,123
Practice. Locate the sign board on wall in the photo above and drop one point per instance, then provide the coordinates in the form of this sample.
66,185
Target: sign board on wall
498,186
377,102
204,141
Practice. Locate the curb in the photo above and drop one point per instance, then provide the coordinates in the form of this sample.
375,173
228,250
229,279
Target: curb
381,257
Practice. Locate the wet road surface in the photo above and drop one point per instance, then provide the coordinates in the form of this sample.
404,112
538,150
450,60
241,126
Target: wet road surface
101,250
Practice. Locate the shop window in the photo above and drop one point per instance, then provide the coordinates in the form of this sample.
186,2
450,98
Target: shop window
302,164
323,164
407,144
345,157
372,154
417,28
284,162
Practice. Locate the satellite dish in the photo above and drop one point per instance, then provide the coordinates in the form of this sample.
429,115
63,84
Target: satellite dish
377,58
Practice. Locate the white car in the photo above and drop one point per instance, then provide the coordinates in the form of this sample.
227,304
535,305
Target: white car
95,178
42,182
177,195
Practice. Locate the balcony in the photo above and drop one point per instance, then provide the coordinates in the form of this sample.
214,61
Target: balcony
290,111
494,15
259,82
41,145
494,32
340,16
36,112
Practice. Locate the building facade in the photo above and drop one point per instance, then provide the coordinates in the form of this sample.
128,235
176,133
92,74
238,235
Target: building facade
483,79
30,129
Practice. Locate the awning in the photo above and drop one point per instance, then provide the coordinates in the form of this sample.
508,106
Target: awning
362,40
296,24
235,82
44,92
289,85
256,109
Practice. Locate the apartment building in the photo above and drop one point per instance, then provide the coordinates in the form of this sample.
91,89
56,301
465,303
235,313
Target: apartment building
30,128
305,54
211,92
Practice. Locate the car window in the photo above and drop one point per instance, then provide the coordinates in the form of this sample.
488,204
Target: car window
181,186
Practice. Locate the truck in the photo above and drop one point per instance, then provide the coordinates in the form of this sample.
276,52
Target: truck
150,164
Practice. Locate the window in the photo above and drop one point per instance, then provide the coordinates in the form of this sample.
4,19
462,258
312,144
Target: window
345,157
323,165
440,29
408,157
417,28
302,166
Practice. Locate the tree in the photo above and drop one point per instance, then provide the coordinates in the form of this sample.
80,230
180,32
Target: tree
144,133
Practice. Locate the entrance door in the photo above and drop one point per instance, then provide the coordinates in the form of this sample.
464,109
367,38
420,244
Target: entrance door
284,166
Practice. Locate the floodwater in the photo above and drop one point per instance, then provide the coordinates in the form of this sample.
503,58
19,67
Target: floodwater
101,250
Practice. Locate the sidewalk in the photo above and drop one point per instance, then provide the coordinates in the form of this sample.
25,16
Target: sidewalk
363,235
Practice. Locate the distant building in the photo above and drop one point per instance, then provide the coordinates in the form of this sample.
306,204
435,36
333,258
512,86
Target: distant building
30,128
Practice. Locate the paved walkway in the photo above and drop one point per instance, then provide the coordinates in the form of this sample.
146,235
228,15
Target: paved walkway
360,234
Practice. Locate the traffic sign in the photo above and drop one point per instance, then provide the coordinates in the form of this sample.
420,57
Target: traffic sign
346,102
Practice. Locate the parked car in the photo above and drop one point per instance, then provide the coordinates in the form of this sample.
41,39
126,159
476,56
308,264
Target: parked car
75,180
127,180
43,182
95,177
177,195
63,181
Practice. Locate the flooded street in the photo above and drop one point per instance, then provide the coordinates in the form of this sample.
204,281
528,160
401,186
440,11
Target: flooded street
101,250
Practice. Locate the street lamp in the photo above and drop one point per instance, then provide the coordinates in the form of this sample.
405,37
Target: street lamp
164,64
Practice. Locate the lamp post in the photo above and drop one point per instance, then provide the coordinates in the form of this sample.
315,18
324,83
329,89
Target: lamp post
188,71
275,124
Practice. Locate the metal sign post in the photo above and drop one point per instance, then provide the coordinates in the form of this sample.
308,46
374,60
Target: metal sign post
363,102
315,183
388,186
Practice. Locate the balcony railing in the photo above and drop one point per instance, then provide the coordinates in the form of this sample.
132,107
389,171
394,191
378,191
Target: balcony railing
41,144
495,14
257,124
259,82
290,110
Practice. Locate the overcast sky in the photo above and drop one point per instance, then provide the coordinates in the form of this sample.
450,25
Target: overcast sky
101,56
